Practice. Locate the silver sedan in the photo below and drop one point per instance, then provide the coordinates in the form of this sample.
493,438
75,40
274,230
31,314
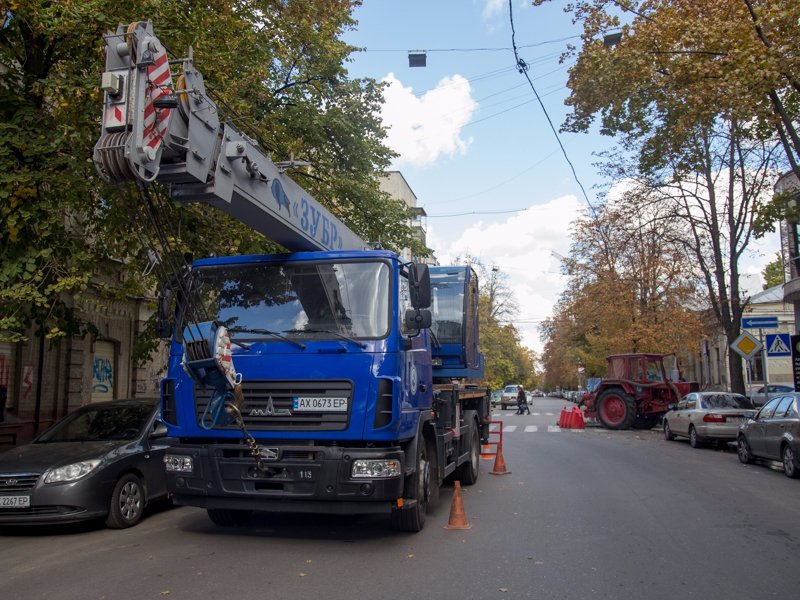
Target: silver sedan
702,416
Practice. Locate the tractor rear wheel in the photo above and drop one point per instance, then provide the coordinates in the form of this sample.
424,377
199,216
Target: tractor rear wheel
616,409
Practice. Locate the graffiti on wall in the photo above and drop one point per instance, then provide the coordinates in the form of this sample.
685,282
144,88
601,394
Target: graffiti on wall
102,375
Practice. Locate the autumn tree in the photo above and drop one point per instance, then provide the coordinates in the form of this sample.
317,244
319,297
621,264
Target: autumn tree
636,293
672,64
701,94
275,67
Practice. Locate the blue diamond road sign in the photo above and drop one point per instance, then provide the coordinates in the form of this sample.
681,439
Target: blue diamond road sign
759,322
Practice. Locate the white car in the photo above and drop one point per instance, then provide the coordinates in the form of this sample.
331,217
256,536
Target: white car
769,391
702,416
509,396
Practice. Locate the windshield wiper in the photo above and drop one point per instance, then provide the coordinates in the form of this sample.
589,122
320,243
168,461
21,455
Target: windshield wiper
267,332
342,336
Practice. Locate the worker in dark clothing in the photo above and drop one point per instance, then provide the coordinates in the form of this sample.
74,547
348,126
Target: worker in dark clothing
522,402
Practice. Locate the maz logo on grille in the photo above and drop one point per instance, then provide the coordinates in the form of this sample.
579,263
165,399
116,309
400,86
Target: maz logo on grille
269,411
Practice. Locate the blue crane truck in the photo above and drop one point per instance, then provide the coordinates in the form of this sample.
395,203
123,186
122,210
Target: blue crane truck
335,378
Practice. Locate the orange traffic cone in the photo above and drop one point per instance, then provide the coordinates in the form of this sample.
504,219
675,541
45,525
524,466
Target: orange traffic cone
458,518
578,422
499,463
486,452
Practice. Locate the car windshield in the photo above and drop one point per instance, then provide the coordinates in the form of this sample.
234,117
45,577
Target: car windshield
726,401
323,300
100,423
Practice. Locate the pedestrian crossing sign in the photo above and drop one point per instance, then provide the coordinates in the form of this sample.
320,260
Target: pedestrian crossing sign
779,344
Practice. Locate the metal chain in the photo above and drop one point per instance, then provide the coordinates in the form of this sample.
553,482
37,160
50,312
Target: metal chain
255,451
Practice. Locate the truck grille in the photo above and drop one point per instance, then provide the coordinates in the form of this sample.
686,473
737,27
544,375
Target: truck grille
268,405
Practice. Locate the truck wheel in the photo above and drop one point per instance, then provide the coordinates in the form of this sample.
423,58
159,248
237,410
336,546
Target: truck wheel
226,517
616,409
413,518
467,473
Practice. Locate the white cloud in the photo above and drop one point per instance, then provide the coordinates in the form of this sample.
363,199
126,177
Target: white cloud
493,7
525,247
421,129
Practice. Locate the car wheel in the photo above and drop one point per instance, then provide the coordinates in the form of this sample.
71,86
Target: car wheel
694,439
789,464
668,435
743,450
127,502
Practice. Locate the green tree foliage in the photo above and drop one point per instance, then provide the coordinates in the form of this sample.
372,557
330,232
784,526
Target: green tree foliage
277,65
773,273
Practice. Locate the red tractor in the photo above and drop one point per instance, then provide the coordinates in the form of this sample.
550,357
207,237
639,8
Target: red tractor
636,392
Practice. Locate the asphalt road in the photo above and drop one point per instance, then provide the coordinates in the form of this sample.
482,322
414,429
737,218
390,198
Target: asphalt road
589,514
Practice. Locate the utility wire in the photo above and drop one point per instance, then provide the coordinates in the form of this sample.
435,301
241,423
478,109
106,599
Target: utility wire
522,67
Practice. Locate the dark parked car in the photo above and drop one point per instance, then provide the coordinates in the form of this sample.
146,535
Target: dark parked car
104,460
702,416
773,434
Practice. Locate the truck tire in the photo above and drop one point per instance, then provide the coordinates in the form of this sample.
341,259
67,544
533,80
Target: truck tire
412,518
616,409
467,473
226,517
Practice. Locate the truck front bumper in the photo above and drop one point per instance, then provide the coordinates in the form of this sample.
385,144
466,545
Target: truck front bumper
304,479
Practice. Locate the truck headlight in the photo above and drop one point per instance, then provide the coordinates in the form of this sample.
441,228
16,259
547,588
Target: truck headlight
376,468
71,472
178,463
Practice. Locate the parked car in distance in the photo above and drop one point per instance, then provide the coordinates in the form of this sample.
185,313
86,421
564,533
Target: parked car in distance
103,460
702,416
765,392
773,434
495,397
509,396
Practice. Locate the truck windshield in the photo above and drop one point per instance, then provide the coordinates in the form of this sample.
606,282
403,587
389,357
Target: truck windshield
325,300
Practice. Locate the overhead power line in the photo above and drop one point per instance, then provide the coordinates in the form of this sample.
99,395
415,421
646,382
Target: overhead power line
522,67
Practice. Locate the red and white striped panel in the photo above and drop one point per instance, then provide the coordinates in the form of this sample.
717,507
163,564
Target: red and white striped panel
156,122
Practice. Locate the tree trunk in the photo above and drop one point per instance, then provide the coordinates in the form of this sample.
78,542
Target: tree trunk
735,371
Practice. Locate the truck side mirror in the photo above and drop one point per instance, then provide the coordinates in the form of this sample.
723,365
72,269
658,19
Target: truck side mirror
416,319
420,285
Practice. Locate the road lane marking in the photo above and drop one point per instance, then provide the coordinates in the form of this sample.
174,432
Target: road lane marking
529,428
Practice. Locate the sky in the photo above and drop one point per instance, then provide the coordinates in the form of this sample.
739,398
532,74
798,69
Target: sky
476,146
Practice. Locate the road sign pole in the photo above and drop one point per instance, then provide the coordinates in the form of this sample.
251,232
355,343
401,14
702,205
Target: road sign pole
763,356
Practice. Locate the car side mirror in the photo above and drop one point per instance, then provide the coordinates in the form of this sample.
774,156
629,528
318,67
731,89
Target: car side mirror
159,431
672,407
